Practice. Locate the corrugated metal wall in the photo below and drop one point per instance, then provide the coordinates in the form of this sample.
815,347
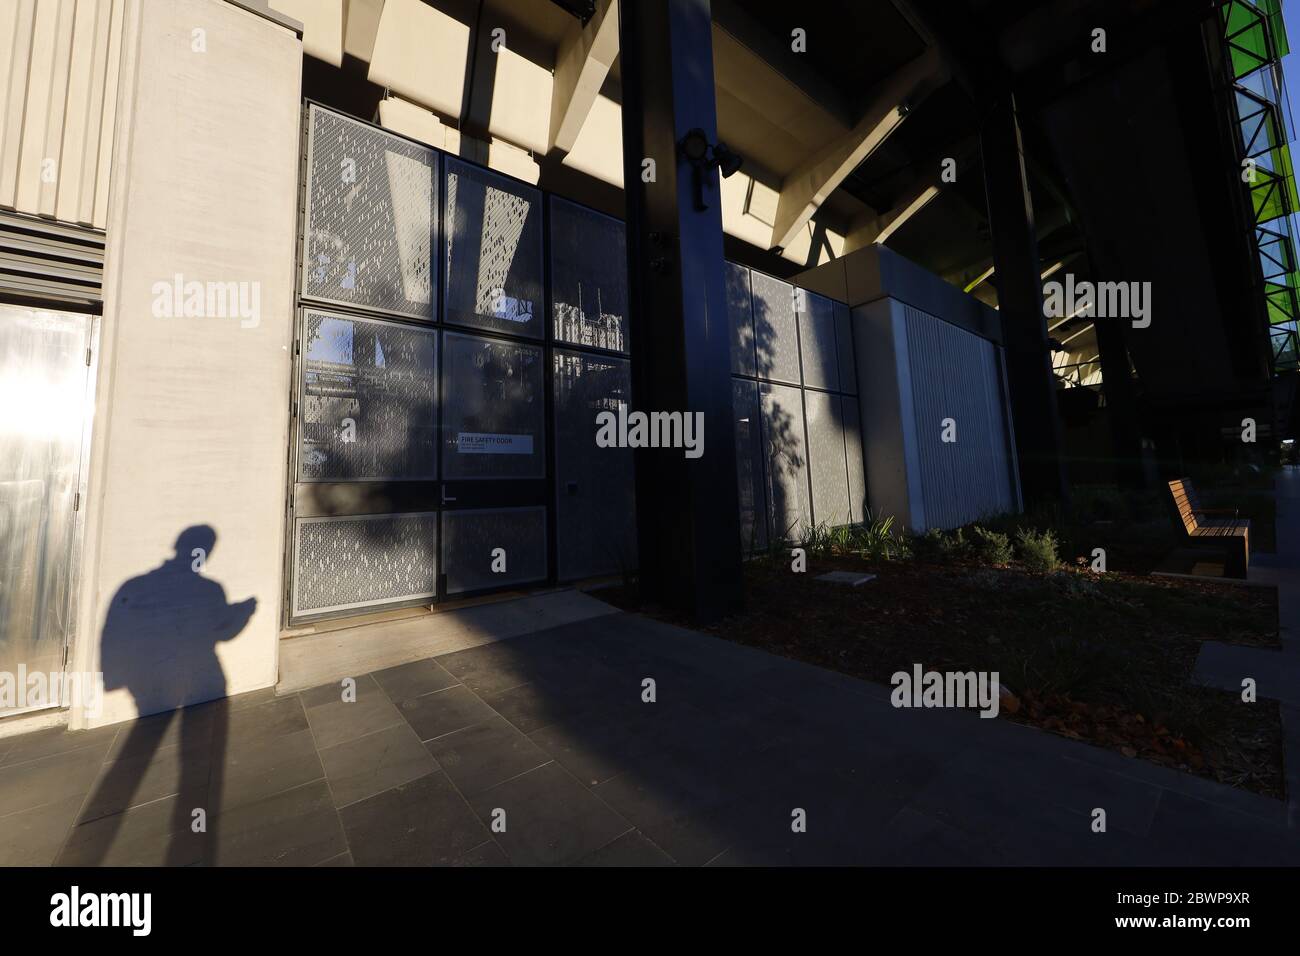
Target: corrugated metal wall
58,84
955,375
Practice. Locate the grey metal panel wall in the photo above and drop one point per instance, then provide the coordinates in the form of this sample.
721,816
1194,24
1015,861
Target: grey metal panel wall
776,332
741,317
827,465
854,458
749,463
786,461
844,348
817,341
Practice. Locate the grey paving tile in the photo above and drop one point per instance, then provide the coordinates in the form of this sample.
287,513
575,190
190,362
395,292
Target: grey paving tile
253,770
372,764
444,712
155,834
481,756
343,859
421,823
485,854
550,818
414,680
334,720
914,838
190,727
533,706
33,837
1203,834
45,780
631,849
139,778
263,720
53,740
298,827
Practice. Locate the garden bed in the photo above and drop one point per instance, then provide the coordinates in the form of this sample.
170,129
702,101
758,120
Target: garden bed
1104,658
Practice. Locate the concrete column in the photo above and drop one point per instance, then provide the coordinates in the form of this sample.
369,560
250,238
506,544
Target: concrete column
687,509
1020,300
192,406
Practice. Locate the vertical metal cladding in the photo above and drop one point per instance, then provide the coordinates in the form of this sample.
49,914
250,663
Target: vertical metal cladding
956,393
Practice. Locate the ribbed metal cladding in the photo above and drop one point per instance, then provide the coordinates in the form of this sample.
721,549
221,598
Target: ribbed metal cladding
51,261
956,389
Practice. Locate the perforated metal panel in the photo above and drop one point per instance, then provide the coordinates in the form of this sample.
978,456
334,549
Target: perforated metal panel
853,453
493,418
786,461
827,464
362,561
844,347
741,317
470,538
367,400
817,341
776,335
588,277
372,207
595,494
494,252
749,464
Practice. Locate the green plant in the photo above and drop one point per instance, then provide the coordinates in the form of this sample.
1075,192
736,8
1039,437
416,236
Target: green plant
1038,550
955,545
991,547
876,539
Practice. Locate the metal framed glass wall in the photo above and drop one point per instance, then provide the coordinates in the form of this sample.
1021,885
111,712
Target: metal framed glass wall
458,333
794,395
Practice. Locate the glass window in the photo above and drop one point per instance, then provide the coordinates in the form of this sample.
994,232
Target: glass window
588,277
493,409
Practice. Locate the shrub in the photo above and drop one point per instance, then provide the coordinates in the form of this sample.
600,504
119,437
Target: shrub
1037,550
954,545
991,547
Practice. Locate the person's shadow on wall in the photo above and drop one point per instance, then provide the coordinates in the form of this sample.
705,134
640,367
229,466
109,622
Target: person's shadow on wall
159,642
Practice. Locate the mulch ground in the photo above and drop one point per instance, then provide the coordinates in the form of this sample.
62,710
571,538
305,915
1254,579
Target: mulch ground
1101,658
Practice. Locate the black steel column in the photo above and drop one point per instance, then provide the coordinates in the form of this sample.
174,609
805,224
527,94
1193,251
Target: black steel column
1121,403
1020,300
688,515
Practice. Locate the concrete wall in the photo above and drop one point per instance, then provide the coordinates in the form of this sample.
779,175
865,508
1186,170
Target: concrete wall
58,84
192,417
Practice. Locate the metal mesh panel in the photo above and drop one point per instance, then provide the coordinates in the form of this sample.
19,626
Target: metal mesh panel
493,410
371,217
469,539
741,317
786,459
817,341
367,401
829,473
363,561
776,335
594,487
749,464
494,252
588,277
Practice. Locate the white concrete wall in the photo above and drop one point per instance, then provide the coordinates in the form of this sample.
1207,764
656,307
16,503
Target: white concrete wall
192,418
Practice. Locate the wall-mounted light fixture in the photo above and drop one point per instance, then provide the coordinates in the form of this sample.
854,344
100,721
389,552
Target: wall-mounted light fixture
703,156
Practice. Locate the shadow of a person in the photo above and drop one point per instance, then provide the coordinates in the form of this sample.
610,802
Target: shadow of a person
159,642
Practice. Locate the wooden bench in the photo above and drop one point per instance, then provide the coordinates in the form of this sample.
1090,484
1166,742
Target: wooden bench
1219,528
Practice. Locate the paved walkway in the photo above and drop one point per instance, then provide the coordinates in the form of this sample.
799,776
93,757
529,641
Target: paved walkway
540,750
1276,673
